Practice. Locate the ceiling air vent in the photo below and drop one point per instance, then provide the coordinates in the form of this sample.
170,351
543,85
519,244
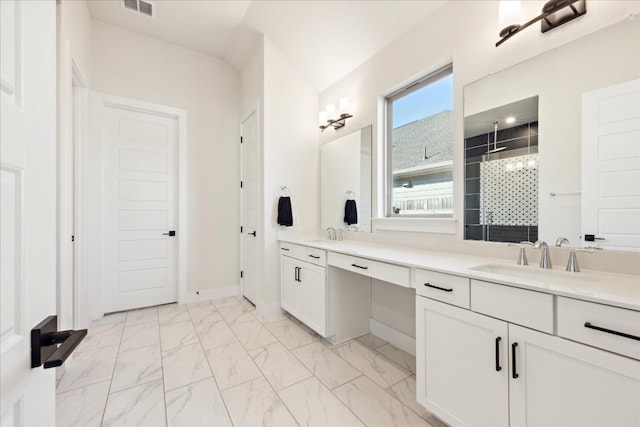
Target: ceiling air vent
141,6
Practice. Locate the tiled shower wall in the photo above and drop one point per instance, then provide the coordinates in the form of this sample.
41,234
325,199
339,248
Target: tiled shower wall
519,140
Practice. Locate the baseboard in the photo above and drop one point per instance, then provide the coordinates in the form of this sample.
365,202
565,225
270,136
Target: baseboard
392,336
207,294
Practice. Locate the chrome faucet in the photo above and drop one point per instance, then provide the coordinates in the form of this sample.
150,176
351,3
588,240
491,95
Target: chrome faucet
331,233
545,259
522,256
572,265
560,241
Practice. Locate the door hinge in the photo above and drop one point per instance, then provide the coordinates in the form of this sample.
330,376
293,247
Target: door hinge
240,140
241,228
241,274
73,238
240,184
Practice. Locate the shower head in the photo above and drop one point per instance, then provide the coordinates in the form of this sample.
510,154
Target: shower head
495,150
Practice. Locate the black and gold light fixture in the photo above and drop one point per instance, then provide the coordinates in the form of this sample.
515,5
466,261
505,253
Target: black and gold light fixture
554,13
329,117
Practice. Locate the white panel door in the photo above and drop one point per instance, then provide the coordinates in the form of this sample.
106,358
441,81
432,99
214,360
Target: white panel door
611,166
250,198
462,365
565,384
290,288
314,297
139,208
27,206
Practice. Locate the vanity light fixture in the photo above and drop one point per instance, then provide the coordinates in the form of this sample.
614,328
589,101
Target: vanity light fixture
329,117
554,13
510,120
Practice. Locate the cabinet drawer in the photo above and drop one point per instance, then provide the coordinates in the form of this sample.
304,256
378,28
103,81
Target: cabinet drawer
523,307
443,287
392,273
574,314
316,256
299,252
286,248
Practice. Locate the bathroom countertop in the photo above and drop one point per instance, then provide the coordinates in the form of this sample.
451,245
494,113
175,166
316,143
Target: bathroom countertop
618,290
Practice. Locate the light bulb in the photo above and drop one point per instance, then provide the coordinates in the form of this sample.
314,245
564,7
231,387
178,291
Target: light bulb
344,105
510,120
509,13
331,111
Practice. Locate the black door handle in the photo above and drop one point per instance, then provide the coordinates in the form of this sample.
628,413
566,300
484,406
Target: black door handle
253,234
359,266
170,233
611,331
44,339
429,285
498,367
299,278
514,371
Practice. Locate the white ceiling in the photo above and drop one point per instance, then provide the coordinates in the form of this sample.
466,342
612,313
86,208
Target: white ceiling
324,39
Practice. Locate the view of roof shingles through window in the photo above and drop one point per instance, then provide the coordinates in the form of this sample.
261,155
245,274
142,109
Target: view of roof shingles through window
422,151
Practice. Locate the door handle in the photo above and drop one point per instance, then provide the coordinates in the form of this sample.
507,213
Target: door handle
429,285
514,371
44,339
170,233
295,274
253,233
498,367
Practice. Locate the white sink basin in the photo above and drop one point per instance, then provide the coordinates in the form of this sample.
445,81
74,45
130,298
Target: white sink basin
534,273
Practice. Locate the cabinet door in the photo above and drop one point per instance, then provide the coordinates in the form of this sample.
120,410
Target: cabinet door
290,288
314,298
462,365
563,383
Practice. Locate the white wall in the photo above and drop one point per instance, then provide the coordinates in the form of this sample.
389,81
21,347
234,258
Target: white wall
290,157
135,66
465,32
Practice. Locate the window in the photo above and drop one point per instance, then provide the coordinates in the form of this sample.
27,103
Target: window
420,148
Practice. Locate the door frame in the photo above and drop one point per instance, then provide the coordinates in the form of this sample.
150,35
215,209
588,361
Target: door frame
70,78
90,192
254,110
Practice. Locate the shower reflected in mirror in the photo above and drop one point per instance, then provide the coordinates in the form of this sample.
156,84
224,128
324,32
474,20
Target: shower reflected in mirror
501,173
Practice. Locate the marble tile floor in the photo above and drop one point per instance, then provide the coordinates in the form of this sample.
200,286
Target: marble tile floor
221,363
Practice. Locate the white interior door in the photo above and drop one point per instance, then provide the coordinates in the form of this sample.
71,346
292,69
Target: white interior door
249,199
139,155
27,205
611,166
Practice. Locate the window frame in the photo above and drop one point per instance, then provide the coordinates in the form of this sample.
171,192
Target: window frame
388,134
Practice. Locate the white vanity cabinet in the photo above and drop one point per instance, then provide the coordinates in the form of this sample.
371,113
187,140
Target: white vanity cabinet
481,369
303,289
563,383
461,361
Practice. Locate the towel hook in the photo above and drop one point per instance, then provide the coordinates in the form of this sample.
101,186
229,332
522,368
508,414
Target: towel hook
351,195
284,191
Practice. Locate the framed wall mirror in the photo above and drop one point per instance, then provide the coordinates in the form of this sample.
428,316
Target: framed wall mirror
569,163
345,182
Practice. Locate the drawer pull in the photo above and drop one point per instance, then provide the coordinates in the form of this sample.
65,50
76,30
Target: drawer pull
285,249
498,367
359,266
514,372
611,331
429,285
314,256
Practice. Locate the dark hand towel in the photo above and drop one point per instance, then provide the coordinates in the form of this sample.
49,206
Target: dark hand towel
285,216
350,212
